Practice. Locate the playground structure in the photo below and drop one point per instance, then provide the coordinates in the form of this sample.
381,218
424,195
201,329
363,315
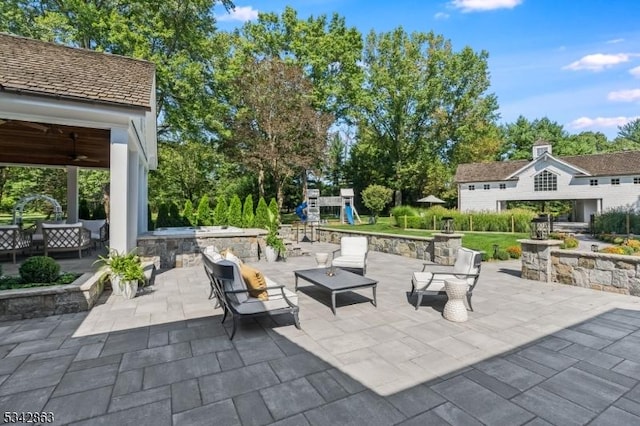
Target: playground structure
19,207
314,202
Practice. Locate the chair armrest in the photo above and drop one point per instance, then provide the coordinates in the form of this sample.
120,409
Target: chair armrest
336,251
104,232
246,290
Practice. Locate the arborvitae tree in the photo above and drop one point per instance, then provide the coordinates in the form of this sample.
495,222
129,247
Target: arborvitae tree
247,212
83,210
273,206
221,211
187,213
163,216
150,225
175,219
262,214
204,212
99,212
234,217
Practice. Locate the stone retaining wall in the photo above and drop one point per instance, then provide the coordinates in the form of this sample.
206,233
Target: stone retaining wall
600,271
414,247
544,261
178,251
78,296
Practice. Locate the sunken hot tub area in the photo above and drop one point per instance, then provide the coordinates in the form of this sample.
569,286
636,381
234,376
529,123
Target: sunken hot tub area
181,247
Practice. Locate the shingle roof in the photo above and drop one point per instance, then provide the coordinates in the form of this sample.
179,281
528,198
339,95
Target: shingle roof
47,69
612,164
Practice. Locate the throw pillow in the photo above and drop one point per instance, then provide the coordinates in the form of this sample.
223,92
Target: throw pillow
256,284
228,254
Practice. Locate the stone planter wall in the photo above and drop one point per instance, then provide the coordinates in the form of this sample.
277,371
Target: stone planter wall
415,247
600,271
544,261
184,250
78,296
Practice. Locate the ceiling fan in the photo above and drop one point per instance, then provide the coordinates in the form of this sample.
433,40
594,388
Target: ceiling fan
75,156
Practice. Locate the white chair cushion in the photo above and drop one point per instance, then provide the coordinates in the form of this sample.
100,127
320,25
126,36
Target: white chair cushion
353,246
276,301
420,279
349,261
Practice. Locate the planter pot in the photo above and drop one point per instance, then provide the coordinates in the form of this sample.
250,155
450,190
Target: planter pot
129,288
271,254
116,287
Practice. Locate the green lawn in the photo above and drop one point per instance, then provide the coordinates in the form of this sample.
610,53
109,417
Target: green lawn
481,241
27,218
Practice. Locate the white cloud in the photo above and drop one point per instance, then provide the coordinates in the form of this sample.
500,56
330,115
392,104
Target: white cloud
625,95
615,40
584,122
484,5
597,62
239,13
441,16
635,72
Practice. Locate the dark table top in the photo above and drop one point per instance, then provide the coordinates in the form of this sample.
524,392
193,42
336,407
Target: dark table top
341,280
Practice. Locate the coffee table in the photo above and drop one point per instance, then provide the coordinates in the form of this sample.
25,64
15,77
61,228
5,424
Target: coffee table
342,281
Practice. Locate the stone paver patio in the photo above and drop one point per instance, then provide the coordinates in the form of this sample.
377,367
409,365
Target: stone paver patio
531,353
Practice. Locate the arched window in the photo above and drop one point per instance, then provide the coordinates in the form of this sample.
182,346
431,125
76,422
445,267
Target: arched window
545,181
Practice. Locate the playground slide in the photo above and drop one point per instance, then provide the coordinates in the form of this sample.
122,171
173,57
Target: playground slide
349,212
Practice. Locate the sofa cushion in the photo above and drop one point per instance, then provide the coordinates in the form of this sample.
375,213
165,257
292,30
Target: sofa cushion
349,261
255,281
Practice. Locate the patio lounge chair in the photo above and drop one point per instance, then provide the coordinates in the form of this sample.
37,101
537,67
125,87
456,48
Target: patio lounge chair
467,267
65,237
14,240
353,254
99,230
234,296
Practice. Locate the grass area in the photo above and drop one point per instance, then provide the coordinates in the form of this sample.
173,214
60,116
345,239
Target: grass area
481,241
27,218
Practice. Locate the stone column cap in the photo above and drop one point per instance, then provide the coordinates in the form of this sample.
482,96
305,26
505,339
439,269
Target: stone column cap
541,242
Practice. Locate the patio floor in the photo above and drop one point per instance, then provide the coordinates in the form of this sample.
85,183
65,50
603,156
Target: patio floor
531,353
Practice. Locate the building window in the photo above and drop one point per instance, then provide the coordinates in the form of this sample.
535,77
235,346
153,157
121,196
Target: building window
545,181
615,181
541,150
472,187
503,186
593,182
636,180
487,186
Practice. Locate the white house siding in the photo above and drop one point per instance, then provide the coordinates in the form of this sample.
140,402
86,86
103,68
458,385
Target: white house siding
626,195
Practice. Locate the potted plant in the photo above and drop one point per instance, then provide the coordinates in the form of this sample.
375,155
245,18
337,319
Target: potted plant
131,275
275,245
121,267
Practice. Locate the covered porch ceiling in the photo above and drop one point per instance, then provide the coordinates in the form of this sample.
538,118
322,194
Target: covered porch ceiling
31,143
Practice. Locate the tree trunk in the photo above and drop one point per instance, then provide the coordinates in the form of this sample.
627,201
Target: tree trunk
261,182
398,197
305,185
280,194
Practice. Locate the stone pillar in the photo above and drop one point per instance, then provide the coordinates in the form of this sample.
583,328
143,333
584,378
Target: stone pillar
445,247
536,258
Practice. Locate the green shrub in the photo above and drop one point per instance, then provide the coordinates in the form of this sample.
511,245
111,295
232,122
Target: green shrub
83,210
187,213
203,214
247,212
99,212
162,220
627,250
39,269
615,221
273,208
618,240
376,198
262,214
150,224
502,255
400,212
570,243
221,212
234,215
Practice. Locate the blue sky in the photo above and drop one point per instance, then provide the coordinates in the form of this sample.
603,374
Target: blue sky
576,62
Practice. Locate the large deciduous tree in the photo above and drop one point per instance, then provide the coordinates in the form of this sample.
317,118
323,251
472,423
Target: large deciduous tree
276,129
421,101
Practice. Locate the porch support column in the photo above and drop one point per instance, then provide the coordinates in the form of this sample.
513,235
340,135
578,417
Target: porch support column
143,195
119,182
133,201
72,194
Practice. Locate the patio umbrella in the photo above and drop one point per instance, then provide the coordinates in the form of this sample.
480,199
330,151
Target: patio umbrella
431,199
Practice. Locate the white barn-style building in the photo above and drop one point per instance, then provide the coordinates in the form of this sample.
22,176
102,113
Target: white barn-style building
76,108
594,183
